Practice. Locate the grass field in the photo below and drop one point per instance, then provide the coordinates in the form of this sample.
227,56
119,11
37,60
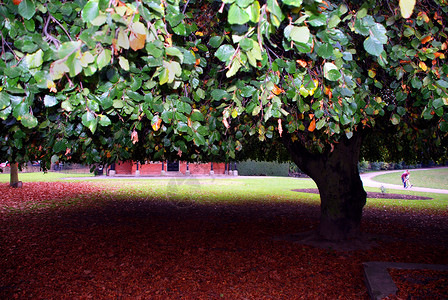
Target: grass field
432,178
192,191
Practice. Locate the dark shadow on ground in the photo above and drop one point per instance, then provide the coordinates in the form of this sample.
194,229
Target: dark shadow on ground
130,248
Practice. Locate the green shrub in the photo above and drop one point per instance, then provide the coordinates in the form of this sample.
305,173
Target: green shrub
376,166
363,166
262,168
384,166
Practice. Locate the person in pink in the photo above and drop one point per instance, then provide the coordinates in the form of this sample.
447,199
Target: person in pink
405,178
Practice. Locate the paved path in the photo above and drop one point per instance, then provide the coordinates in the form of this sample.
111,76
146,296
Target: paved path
367,179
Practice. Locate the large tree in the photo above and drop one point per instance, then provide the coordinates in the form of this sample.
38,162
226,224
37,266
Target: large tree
105,80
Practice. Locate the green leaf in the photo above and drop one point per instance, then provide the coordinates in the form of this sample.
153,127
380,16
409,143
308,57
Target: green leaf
296,3
69,48
90,11
275,10
20,110
173,51
90,121
218,94
123,39
331,72
334,21
174,19
103,58
29,121
244,3
27,9
236,65
180,29
246,44
442,83
189,57
74,65
317,20
325,50
300,34
416,83
104,120
196,115
124,63
60,146
437,103
443,126
174,69
379,32
373,46
225,52
184,107
163,76
4,100
361,13
67,106
50,101
34,60
237,15
320,124
254,12
248,91
395,119
198,139
215,41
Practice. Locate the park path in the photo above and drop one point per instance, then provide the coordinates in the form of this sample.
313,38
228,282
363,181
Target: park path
368,180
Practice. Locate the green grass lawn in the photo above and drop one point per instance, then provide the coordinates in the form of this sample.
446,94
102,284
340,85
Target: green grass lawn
41,176
191,190
266,190
433,178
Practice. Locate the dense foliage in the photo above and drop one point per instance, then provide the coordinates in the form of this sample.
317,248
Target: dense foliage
97,81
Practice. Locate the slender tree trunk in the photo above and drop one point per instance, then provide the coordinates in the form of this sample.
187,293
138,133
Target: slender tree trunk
14,175
336,174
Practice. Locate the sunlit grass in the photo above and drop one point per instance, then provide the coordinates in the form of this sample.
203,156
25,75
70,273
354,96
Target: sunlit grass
237,190
433,178
258,190
215,190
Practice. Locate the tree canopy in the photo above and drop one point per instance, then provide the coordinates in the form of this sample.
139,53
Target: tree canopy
99,81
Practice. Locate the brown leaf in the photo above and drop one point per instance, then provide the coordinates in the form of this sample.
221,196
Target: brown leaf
137,41
312,125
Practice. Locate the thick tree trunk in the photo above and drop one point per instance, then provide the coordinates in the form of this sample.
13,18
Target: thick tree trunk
14,175
341,190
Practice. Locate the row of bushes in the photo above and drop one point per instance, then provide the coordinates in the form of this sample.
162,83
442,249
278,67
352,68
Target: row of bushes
365,166
263,168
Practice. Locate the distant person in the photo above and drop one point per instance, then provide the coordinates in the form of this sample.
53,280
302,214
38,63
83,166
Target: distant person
405,178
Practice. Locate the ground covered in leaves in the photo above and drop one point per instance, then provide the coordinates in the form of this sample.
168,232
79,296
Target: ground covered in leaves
81,241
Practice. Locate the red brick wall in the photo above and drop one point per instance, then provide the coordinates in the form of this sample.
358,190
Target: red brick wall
205,168
150,168
155,168
219,168
123,168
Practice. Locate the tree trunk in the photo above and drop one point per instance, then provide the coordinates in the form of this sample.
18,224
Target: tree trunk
14,175
336,174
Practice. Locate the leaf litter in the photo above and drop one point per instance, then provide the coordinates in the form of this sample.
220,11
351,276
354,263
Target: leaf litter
82,240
